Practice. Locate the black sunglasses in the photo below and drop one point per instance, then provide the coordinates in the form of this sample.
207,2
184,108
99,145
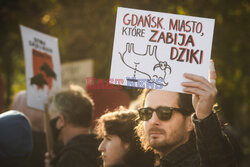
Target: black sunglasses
163,113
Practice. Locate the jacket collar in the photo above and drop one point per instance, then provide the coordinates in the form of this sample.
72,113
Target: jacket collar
180,153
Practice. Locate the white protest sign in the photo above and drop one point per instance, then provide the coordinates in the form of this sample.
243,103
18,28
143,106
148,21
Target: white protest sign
77,72
153,50
42,66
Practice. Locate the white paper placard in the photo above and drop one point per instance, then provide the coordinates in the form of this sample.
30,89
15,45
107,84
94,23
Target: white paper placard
153,50
42,66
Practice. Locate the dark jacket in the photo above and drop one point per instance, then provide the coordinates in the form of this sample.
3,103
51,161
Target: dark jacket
208,146
39,149
81,151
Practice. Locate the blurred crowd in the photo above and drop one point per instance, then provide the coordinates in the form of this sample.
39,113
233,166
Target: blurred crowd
95,128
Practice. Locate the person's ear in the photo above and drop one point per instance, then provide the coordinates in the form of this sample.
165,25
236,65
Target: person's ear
61,122
189,123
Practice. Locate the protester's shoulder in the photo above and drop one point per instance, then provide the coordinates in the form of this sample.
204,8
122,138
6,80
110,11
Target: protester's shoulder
192,161
83,139
83,144
73,158
86,137
88,141
83,149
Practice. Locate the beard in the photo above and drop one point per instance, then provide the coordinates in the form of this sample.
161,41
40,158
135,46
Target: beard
163,147
165,143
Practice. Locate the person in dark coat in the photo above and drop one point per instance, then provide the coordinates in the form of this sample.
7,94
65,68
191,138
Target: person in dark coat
79,151
70,112
120,146
15,139
36,119
182,129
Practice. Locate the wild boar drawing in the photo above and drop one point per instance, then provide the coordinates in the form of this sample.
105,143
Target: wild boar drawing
148,64
38,80
48,71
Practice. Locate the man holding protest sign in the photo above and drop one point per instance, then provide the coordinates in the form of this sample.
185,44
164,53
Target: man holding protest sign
70,113
169,128
170,54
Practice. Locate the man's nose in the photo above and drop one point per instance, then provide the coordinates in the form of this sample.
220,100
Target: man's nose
154,119
101,147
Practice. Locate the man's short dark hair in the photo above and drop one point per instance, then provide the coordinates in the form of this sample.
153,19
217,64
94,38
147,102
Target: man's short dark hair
75,105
